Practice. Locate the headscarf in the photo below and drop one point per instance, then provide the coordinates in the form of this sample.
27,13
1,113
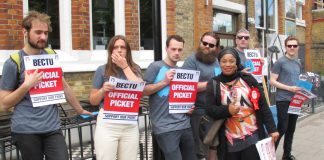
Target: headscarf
229,78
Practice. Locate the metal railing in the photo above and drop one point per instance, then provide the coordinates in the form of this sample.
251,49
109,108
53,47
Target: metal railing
79,133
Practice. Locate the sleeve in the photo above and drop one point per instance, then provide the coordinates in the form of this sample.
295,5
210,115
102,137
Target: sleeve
189,63
98,78
276,68
9,79
213,110
150,73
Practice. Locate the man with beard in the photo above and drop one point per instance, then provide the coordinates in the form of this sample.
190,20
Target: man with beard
35,130
205,61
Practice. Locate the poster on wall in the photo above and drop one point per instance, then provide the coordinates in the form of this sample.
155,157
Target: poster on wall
290,28
290,9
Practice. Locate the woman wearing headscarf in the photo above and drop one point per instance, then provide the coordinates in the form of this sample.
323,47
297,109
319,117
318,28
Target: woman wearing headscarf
237,98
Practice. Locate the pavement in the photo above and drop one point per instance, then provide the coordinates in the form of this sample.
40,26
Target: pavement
308,141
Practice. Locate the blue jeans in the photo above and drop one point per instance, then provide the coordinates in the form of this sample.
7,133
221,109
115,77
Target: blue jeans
177,145
35,146
286,126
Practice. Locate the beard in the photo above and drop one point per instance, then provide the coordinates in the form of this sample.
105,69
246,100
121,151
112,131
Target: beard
38,44
206,58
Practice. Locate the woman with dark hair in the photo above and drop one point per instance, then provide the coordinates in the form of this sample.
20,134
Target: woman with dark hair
113,139
237,98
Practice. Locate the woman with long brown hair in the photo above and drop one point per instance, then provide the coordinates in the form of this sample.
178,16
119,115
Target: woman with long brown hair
113,139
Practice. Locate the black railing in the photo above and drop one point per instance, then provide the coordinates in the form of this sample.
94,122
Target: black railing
74,129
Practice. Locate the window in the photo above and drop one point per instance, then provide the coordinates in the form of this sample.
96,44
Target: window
290,9
290,27
318,4
52,9
259,13
146,25
224,22
299,11
271,19
103,26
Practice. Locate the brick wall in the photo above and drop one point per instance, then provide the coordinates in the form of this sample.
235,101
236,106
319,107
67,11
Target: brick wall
11,15
252,30
184,22
281,16
80,25
132,23
317,56
80,83
203,19
170,12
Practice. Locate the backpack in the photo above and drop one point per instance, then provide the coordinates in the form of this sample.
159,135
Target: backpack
15,57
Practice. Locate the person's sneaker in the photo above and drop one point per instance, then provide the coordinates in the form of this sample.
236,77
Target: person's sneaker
290,157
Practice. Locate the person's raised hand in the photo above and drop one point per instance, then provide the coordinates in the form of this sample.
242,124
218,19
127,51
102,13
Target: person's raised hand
119,60
169,76
33,79
233,108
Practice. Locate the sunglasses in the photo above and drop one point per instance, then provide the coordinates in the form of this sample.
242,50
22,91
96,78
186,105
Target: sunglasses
210,45
241,37
292,46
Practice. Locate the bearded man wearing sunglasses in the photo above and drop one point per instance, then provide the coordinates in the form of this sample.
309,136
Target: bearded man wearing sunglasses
205,61
284,76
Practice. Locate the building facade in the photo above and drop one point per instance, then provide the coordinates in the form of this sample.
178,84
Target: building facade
82,28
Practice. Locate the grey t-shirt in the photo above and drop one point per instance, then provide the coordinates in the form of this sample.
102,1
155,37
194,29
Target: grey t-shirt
27,119
207,71
288,71
99,77
162,120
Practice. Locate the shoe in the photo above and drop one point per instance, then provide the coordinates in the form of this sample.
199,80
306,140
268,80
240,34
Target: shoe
290,157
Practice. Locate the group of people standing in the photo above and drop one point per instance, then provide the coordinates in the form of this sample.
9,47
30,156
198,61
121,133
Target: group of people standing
224,93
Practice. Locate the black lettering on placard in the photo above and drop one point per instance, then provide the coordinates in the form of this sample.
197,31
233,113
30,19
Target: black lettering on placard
126,85
252,54
185,76
43,62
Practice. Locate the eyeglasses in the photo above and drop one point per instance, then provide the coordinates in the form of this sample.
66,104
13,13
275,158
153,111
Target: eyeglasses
241,37
292,46
210,45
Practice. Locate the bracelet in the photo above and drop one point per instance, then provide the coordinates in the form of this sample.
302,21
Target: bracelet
125,67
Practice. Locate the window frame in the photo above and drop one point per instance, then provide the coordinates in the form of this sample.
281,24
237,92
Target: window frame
299,9
88,60
234,20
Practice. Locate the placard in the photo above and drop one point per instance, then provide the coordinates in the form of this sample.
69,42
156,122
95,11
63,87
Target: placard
122,104
50,89
183,90
253,61
266,149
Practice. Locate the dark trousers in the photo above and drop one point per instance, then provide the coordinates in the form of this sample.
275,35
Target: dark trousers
195,119
286,126
177,145
35,146
250,153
